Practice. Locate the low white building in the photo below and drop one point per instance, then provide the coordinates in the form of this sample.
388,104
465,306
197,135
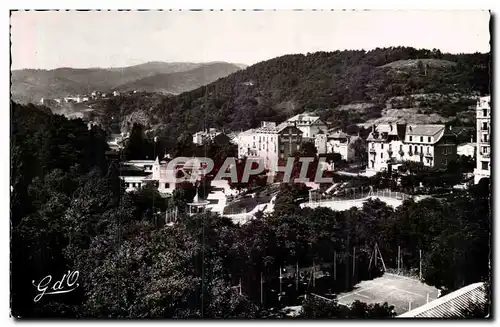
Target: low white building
309,124
467,149
205,136
334,141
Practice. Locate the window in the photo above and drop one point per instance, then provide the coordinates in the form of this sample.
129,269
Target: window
421,149
429,139
410,138
485,112
401,147
381,154
485,126
484,150
127,185
484,165
416,149
421,138
382,146
166,185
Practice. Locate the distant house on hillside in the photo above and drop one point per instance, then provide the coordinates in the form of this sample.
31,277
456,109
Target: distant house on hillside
207,135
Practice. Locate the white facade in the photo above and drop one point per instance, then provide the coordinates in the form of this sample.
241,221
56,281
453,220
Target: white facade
336,142
309,125
483,149
431,145
467,149
270,142
203,136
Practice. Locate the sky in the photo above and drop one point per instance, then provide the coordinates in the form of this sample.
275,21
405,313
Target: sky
52,39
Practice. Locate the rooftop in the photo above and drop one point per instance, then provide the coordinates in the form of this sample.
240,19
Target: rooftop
424,130
453,305
304,119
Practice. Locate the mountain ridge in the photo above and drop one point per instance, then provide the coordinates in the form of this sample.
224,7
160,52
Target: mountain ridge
30,85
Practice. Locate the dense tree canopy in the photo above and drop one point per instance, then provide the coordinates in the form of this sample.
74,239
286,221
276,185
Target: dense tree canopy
70,212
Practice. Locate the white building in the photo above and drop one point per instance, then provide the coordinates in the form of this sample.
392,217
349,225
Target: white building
205,136
158,173
483,128
309,125
274,144
334,142
116,93
466,149
432,145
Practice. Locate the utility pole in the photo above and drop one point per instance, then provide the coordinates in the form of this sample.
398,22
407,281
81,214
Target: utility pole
281,282
261,289
353,260
297,277
420,255
399,258
314,275
240,286
335,265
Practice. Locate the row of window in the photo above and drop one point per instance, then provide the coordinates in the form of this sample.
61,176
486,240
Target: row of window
429,139
138,185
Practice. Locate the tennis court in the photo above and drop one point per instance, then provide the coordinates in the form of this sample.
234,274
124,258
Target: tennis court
403,293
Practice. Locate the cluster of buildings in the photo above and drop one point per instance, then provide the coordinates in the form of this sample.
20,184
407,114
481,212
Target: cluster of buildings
78,98
275,143
433,145
389,144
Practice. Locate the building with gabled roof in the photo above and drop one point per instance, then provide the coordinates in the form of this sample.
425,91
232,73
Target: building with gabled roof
457,304
309,124
273,143
433,145
334,141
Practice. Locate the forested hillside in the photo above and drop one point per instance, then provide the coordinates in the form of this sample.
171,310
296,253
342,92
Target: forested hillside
30,85
321,81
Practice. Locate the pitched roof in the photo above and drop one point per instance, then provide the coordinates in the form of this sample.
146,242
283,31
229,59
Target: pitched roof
424,130
304,119
453,305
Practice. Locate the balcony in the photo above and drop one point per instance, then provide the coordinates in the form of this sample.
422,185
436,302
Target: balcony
485,154
428,155
401,153
372,150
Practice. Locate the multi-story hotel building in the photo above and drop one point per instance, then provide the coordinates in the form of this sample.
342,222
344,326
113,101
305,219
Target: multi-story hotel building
483,149
273,143
432,145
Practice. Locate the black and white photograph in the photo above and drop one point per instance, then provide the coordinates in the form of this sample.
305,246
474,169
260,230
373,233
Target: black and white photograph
251,164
